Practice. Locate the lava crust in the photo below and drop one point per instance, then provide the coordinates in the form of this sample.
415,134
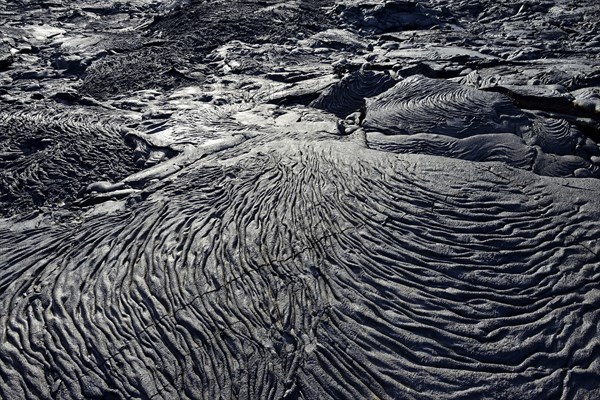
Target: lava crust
320,199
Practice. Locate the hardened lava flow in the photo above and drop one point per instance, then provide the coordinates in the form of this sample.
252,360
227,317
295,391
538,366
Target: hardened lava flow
321,199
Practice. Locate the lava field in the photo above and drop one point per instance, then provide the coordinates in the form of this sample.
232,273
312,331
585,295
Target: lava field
319,199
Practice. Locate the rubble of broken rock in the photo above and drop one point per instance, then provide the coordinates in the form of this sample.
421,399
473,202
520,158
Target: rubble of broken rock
301,199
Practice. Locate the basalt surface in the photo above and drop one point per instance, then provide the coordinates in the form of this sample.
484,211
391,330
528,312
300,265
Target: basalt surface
314,199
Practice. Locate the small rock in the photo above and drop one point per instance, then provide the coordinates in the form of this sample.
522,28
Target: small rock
104,187
591,147
34,87
582,173
70,63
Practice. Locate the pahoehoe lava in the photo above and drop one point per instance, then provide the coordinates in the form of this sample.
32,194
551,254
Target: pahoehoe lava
47,157
319,199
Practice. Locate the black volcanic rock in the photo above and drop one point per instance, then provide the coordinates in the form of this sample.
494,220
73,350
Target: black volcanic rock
349,94
420,104
193,31
46,158
388,16
312,199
